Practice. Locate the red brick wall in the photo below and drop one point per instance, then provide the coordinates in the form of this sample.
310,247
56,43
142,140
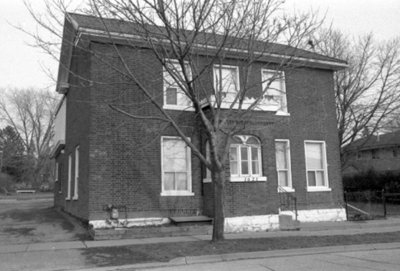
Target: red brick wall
123,154
77,130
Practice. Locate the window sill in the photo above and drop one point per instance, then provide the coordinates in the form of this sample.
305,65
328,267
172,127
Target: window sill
176,193
67,198
178,107
207,180
248,179
287,189
75,198
282,113
318,189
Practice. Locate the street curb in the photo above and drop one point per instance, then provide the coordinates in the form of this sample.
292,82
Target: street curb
192,260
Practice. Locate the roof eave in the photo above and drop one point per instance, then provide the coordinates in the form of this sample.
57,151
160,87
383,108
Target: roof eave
95,34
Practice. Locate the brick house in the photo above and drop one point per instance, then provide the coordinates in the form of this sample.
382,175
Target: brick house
103,158
380,153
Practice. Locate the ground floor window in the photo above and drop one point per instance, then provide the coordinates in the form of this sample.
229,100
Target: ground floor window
316,165
245,159
76,173
69,177
283,168
176,167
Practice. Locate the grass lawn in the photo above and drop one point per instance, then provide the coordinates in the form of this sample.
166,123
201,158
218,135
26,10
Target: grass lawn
109,256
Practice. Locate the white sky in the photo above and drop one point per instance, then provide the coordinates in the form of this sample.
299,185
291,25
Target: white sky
21,65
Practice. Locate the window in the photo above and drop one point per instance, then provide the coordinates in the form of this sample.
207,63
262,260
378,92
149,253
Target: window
274,89
282,154
176,167
174,96
69,177
396,152
57,178
208,177
375,154
317,176
245,159
226,81
76,173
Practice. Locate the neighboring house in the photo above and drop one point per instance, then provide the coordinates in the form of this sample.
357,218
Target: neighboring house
104,158
380,153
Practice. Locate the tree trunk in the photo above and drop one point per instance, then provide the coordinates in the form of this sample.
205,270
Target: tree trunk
218,181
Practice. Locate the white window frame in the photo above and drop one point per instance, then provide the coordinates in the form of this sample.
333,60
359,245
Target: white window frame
247,177
288,188
189,106
188,166
56,172
69,177
229,96
57,182
208,177
325,187
283,108
76,182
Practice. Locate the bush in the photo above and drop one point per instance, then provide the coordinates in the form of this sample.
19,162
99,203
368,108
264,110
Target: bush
7,182
372,180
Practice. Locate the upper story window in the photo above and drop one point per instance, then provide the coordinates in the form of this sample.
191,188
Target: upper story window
174,95
245,159
316,166
226,81
274,89
176,167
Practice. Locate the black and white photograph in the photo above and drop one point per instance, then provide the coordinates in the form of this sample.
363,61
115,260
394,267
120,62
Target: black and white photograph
199,135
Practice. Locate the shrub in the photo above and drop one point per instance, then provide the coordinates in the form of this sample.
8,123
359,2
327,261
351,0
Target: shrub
372,180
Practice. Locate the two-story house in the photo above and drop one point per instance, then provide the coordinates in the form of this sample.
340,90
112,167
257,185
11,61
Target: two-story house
380,153
104,158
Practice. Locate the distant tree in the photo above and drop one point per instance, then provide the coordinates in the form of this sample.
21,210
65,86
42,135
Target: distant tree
368,92
11,151
30,114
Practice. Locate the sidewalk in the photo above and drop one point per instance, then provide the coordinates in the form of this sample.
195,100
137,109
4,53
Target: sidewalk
307,229
74,251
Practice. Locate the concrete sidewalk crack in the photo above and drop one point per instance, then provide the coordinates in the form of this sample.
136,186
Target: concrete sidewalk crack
268,268
367,260
348,265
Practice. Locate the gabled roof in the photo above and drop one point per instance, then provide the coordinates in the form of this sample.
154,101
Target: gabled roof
87,22
106,30
375,142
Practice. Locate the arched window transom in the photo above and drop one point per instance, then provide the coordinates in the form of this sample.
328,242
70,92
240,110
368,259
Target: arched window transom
245,158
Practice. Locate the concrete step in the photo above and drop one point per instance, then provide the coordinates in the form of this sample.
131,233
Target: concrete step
287,223
191,220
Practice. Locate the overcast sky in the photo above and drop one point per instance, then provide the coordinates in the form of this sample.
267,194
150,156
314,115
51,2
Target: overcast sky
22,66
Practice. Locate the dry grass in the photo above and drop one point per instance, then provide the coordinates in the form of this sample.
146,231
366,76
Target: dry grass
106,256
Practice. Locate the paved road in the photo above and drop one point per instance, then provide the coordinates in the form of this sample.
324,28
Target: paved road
380,259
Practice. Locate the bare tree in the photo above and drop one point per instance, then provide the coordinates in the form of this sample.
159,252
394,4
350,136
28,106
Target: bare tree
368,92
179,34
30,113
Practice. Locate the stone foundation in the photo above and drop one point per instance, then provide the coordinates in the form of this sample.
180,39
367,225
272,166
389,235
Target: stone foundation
251,223
233,224
319,215
128,223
